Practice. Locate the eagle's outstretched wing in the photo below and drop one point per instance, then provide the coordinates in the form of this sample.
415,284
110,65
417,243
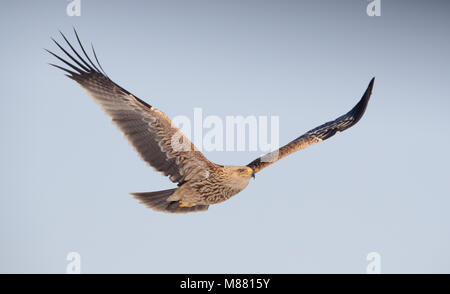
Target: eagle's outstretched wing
318,134
149,130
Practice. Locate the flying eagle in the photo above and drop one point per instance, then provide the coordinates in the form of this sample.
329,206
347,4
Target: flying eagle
157,141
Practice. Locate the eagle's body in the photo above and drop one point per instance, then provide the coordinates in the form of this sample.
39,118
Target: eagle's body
159,143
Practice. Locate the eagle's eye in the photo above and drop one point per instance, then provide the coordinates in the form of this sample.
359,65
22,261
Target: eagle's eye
245,172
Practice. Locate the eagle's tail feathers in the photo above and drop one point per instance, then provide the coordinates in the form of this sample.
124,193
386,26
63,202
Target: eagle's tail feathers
158,201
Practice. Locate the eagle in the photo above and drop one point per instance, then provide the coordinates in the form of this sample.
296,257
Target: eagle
200,182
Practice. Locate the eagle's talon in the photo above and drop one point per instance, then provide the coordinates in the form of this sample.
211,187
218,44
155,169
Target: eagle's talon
185,204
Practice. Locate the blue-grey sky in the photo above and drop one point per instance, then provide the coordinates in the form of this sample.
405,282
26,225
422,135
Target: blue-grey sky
381,186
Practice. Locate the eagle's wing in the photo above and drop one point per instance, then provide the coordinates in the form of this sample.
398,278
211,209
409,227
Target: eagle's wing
149,130
318,134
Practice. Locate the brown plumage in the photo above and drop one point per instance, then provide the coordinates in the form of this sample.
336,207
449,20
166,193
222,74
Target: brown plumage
160,144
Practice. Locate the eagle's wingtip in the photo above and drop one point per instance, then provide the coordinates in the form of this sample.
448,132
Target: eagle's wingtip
368,92
370,87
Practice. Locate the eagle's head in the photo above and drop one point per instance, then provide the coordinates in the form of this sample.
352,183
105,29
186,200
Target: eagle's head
238,177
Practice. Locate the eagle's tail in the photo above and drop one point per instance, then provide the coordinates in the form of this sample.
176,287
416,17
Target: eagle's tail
158,201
